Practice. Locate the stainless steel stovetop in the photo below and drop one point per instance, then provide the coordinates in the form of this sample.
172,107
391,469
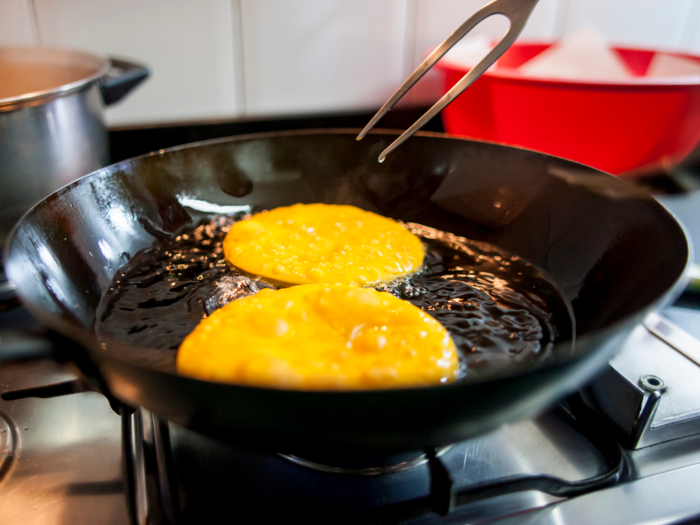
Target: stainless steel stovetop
67,457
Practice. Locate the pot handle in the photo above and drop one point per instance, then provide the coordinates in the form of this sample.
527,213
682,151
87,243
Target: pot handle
122,77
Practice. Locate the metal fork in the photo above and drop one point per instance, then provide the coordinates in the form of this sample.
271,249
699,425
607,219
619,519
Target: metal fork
517,12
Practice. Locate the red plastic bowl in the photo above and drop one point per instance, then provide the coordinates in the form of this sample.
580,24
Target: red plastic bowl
617,127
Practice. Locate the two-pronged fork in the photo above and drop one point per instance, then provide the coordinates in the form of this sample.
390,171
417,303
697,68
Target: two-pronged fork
517,12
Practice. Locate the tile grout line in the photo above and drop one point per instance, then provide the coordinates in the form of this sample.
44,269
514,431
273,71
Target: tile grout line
238,58
410,42
560,15
35,21
685,41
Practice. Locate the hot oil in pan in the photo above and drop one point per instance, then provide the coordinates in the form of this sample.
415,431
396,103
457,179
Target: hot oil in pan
500,310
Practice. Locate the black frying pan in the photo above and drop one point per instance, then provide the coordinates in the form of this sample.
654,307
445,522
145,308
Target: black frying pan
613,250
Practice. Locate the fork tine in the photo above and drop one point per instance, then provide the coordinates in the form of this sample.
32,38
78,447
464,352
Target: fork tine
517,11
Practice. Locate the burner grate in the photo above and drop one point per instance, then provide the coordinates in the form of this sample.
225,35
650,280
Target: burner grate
179,475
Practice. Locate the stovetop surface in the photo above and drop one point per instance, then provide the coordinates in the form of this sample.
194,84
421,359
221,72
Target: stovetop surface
63,458
64,462
268,487
67,457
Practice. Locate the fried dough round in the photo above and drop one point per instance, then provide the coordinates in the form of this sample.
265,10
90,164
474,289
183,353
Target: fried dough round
323,243
320,337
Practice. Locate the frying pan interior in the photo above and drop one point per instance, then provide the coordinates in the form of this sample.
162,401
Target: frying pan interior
613,251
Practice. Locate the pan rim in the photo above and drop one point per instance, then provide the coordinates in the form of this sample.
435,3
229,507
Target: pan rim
91,345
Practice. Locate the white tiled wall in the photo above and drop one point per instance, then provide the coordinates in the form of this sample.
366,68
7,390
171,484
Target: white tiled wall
17,24
188,44
318,55
221,59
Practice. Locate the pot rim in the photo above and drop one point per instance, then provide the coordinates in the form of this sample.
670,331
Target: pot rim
52,56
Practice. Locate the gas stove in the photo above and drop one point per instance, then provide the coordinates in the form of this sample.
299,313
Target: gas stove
66,456
625,449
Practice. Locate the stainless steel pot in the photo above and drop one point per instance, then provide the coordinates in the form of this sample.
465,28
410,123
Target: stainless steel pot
51,125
